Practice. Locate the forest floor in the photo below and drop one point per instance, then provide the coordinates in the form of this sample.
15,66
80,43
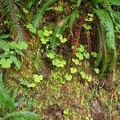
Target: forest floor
54,97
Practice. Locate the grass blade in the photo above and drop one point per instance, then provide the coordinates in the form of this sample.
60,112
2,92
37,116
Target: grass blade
41,12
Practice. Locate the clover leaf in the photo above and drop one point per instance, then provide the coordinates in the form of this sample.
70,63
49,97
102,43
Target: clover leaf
81,48
80,56
76,61
73,70
83,75
87,55
68,77
63,40
37,78
50,55
30,85
59,8
5,62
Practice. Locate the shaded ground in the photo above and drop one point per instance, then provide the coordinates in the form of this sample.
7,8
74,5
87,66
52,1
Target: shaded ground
56,98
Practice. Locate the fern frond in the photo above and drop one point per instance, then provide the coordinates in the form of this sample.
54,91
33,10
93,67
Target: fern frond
100,50
72,20
107,27
22,114
109,39
10,13
4,95
41,12
104,63
114,2
58,30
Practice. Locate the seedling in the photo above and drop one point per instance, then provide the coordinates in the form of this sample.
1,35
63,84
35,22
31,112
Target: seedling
89,78
96,70
50,55
31,85
6,63
94,54
79,56
89,18
87,55
37,78
87,27
76,61
58,63
9,55
73,70
47,33
81,48
25,10
62,40
83,75
68,77
59,8
66,112
44,35
31,28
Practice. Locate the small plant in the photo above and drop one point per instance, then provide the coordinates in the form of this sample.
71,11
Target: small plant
59,8
62,40
7,100
81,53
94,54
83,74
25,11
56,60
66,112
6,63
31,28
87,27
68,77
44,35
37,78
96,70
73,70
10,50
58,63
76,61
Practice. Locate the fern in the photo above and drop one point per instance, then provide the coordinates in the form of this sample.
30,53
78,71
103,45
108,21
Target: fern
58,30
100,46
22,114
41,12
114,2
72,20
4,95
10,13
109,40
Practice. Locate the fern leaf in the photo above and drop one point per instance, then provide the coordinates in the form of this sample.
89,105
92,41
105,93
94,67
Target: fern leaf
72,20
4,95
114,2
107,27
99,55
113,60
22,114
58,30
104,63
78,2
109,39
41,12
10,12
